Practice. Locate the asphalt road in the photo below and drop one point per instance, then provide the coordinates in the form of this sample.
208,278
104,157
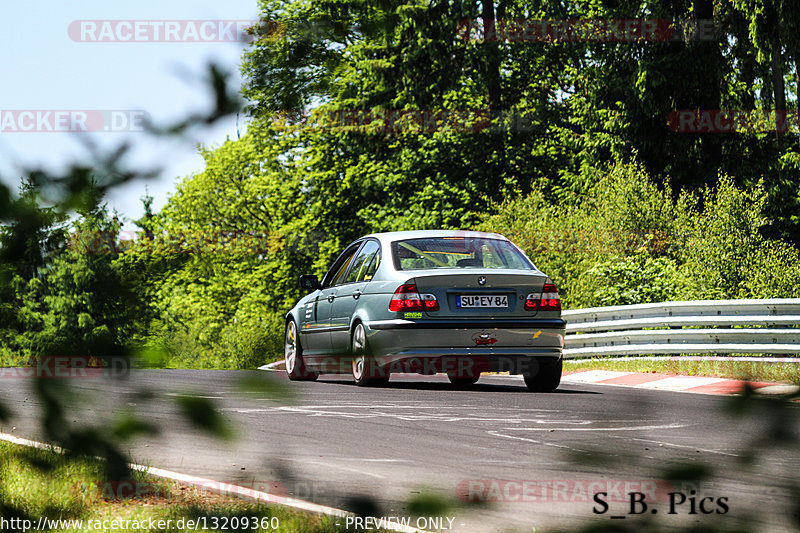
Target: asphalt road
537,459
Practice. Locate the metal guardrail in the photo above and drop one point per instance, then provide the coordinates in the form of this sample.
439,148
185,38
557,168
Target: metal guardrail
702,326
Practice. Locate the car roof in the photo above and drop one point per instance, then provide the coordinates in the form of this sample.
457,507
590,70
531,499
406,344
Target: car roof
392,236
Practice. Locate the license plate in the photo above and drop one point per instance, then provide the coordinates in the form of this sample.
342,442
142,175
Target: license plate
482,300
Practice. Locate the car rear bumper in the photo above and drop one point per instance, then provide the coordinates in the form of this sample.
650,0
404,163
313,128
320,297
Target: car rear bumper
516,346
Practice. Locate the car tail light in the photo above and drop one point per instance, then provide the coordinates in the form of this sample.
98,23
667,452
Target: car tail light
429,302
548,300
408,298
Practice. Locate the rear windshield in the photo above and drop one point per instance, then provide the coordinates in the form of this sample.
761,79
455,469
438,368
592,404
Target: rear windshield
457,252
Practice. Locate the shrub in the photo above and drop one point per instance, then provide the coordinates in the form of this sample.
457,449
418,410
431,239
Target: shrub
596,246
728,257
629,242
632,279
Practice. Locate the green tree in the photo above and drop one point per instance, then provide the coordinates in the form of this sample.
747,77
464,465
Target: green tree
220,266
80,304
28,244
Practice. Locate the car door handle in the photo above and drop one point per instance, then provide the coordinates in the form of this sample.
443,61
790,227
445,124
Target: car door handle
331,298
356,295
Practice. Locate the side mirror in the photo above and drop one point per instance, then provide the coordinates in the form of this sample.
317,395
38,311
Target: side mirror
309,282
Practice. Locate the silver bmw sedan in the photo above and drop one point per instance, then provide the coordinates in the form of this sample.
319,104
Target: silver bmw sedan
454,302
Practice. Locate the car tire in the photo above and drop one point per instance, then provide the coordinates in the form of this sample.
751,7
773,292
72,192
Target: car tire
293,355
463,381
546,378
364,371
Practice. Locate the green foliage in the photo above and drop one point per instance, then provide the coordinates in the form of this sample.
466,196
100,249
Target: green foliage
28,243
203,415
629,241
80,303
427,503
729,258
583,183
633,279
218,265
564,150
252,342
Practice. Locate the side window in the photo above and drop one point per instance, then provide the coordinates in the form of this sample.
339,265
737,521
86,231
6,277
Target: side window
373,265
364,262
337,278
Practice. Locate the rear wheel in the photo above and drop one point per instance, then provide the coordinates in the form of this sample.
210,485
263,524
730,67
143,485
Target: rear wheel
293,355
546,378
364,369
462,380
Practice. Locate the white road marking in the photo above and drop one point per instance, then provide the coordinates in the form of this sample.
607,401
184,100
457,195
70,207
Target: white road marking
625,428
369,411
543,443
30,443
182,395
360,460
238,410
340,467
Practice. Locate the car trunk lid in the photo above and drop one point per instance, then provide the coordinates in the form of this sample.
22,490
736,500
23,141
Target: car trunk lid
480,293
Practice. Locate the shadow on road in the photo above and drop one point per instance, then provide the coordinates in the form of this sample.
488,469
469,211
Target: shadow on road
422,384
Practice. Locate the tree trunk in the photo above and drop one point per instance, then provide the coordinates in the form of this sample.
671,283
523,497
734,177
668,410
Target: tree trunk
492,56
493,89
710,55
795,124
779,89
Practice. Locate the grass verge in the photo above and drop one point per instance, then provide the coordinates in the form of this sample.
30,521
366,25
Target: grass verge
39,483
744,370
